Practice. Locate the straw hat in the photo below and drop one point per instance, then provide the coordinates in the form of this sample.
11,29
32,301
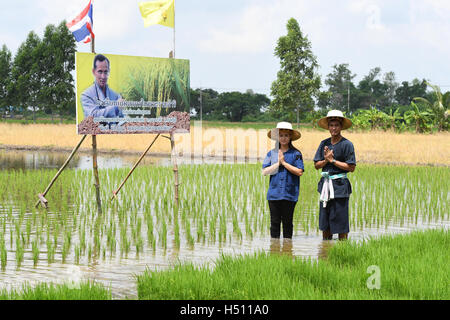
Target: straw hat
346,123
286,126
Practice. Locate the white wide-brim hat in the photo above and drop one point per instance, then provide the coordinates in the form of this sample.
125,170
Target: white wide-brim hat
295,134
346,123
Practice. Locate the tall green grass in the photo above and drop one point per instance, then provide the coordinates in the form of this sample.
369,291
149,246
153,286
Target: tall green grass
412,266
49,291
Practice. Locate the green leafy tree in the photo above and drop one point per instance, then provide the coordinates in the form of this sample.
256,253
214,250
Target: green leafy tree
340,83
372,92
439,106
237,105
390,86
26,75
5,78
258,104
406,92
57,57
297,82
208,102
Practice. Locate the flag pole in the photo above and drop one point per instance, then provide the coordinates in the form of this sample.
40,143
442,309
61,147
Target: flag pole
94,155
174,29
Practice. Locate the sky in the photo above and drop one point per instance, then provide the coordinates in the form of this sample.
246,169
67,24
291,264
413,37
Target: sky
230,43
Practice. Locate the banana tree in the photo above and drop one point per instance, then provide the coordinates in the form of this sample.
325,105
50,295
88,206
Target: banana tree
422,120
439,107
393,118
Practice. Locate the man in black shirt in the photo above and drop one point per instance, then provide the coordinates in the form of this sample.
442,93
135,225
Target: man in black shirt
336,157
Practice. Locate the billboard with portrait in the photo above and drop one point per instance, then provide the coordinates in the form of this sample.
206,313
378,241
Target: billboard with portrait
117,94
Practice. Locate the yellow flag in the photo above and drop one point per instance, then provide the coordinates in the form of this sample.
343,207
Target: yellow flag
158,12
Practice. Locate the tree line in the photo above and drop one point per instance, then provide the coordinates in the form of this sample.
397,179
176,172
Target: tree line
377,101
38,80
39,77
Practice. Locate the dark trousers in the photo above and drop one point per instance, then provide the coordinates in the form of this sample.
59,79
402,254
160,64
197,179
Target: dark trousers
334,217
281,212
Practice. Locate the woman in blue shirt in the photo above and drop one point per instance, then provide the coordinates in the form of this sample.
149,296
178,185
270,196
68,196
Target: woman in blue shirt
285,166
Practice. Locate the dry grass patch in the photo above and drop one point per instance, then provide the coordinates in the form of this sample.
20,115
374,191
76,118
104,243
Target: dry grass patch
374,146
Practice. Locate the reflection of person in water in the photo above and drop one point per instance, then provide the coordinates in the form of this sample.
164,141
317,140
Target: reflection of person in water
281,247
100,91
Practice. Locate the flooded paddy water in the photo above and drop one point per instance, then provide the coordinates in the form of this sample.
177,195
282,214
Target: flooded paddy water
222,210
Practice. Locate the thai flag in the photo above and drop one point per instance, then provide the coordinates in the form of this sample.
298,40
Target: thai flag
81,26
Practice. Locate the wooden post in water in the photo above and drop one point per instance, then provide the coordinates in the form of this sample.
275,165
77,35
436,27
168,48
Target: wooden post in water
95,169
175,166
94,155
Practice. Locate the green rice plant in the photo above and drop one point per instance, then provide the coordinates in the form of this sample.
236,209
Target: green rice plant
28,230
86,290
77,251
66,246
35,250
89,252
82,238
19,252
50,251
177,234
3,252
163,234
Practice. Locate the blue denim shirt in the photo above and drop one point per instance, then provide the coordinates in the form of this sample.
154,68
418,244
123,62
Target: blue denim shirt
283,184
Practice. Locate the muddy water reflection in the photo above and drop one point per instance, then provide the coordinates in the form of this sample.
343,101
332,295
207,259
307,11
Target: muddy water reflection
281,246
29,160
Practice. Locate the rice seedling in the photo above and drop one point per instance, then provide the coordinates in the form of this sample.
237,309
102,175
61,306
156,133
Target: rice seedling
77,252
35,250
3,251
50,250
19,252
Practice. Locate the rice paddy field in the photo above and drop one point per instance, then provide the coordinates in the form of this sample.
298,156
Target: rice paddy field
222,210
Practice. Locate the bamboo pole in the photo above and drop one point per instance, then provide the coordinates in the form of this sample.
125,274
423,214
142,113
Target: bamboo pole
42,195
174,24
132,169
174,162
94,156
96,177
175,166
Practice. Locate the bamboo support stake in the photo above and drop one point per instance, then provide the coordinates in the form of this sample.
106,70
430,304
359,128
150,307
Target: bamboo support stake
175,166
95,169
134,167
42,195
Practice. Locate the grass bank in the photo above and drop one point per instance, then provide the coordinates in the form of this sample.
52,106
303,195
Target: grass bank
411,266
50,291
